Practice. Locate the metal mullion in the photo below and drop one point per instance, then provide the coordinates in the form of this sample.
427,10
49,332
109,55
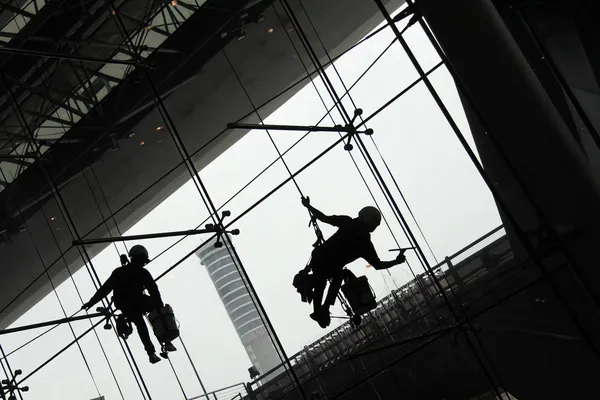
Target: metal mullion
183,17
146,25
176,22
37,89
17,10
189,7
48,117
164,18
99,74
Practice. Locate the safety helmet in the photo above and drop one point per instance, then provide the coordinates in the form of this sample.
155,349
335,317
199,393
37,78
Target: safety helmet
138,252
370,216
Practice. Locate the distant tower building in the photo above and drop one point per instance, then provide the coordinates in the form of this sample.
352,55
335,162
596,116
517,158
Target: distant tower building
239,306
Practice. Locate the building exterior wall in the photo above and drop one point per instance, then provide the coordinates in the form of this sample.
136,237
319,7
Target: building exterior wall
238,303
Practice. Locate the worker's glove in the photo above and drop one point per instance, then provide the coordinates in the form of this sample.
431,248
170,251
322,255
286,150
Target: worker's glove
401,258
306,201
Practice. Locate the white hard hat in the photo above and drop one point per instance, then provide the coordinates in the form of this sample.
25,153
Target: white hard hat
138,251
370,216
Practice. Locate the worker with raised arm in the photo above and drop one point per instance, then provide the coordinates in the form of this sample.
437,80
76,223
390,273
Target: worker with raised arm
128,284
350,242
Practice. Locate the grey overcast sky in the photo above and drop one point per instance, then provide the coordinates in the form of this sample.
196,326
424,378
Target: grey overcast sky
445,192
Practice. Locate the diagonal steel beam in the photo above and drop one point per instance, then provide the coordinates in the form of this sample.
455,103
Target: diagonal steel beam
189,7
98,74
42,91
16,161
48,117
143,23
43,54
17,10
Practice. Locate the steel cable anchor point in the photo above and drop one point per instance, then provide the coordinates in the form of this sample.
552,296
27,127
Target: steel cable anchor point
11,386
220,230
351,129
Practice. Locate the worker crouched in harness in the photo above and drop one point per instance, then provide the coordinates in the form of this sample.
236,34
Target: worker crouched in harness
128,284
350,242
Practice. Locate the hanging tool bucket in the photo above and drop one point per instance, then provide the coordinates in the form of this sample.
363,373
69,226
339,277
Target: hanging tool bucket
359,295
164,324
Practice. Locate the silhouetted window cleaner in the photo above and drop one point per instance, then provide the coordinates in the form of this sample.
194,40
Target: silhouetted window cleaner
128,284
350,242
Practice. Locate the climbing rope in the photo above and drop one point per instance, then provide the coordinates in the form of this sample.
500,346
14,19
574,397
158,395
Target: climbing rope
347,93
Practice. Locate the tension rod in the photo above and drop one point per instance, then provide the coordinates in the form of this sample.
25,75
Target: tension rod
191,232
308,128
48,323
208,228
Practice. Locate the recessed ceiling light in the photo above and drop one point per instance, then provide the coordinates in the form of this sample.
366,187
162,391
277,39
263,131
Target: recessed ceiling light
160,127
142,143
52,219
270,30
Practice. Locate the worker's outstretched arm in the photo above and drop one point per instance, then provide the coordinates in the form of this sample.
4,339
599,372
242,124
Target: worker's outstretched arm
104,291
152,288
331,220
389,264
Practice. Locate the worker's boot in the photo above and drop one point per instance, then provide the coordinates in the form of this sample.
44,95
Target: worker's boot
168,346
153,358
321,315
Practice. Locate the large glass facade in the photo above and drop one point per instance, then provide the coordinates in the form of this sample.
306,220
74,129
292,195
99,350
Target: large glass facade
173,124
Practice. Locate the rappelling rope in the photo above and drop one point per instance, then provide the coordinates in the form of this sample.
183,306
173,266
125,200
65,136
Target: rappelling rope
347,92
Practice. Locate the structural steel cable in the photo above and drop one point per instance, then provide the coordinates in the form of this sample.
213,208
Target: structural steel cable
378,176
58,197
177,378
338,100
212,210
89,185
118,254
240,191
193,365
87,365
79,295
347,93
331,62
82,302
314,222
39,255
123,349
60,352
9,377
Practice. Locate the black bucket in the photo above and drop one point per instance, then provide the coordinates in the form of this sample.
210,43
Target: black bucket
359,295
164,324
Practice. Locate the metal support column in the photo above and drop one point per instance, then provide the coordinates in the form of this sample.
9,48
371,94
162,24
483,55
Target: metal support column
526,129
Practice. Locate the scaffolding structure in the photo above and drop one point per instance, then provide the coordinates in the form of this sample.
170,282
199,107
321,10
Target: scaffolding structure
37,117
